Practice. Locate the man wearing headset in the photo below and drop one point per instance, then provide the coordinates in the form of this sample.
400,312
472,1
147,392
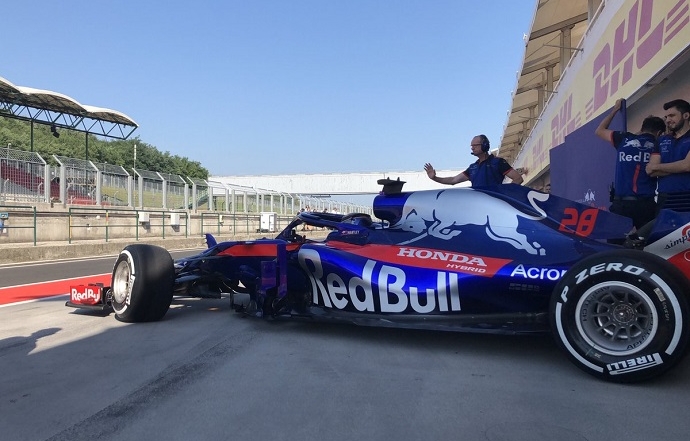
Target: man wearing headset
487,170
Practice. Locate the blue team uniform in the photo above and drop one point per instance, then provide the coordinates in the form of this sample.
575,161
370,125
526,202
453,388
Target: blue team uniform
632,157
671,150
491,171
634,188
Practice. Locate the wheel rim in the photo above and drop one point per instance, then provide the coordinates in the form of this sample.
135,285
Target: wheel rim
616,318
122,282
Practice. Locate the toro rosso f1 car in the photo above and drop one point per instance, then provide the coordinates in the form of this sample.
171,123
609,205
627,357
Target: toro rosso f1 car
503,259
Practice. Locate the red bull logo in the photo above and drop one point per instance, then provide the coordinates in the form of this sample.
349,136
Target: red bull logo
86,294
442,215
379,288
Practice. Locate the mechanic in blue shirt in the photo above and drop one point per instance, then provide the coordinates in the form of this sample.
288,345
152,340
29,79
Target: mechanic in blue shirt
487,170
634,189
670,162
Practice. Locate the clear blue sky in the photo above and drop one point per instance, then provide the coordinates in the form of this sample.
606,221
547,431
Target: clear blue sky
282,86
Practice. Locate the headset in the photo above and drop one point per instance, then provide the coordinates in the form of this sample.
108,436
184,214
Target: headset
485,143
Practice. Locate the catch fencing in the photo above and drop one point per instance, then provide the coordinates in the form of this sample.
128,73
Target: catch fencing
26,177
23,177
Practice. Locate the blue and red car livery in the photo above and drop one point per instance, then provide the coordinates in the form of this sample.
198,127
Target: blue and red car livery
503,259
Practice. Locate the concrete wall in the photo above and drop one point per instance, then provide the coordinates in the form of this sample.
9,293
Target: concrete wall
69,232
26,224
17,253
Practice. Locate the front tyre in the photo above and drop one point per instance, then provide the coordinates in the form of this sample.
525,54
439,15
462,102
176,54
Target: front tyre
622,315
142,283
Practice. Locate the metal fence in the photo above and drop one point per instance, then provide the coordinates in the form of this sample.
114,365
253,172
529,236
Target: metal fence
27,230
116,185
77,181
26,178
23,176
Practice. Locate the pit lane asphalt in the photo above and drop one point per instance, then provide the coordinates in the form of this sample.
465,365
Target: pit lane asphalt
206,373
44,271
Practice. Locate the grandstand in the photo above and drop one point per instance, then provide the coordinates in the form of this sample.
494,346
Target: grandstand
26,177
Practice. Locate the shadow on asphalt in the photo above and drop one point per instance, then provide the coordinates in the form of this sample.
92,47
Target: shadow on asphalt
538,347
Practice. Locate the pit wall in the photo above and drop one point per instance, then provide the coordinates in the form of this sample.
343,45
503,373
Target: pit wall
34,224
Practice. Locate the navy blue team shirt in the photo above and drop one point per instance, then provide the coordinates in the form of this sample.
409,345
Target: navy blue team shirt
671,150
632,156
491,171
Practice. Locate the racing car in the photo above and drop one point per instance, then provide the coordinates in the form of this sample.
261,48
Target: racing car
501,259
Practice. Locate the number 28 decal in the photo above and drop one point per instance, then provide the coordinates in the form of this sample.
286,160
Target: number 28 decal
581,224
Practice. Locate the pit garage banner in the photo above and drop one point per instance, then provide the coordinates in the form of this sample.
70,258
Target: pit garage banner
627,45
583,167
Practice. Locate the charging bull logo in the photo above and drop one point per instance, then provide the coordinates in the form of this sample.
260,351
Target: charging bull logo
443,214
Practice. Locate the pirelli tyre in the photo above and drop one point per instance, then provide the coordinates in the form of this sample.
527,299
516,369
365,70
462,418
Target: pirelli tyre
142,283
622,315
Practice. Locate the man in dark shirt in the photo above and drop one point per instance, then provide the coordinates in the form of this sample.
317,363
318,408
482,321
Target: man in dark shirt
487,170
670,162
634,189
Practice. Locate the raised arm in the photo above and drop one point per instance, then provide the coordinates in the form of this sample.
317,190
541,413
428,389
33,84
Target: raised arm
603,131
448,180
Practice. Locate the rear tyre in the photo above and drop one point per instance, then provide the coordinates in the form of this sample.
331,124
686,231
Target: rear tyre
142,283
622,315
